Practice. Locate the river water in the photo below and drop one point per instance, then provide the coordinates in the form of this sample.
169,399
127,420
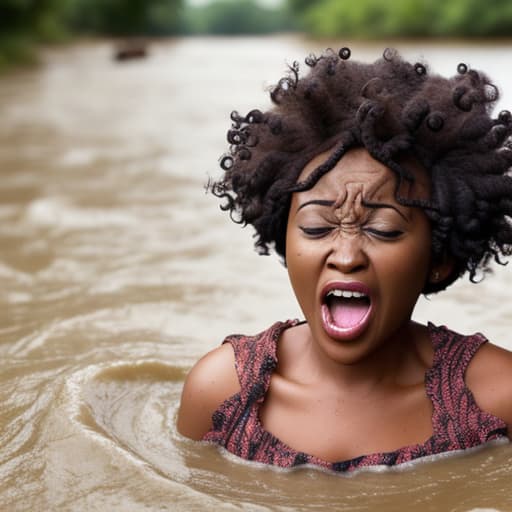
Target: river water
118,272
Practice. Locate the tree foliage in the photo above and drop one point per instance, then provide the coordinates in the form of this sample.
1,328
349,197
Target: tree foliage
235,17
125,17
39,18
25,23
475,18
404,18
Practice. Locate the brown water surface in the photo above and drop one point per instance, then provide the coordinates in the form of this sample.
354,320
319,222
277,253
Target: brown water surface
118,272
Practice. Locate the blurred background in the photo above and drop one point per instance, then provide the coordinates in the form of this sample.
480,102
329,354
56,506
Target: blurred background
25,23
118,271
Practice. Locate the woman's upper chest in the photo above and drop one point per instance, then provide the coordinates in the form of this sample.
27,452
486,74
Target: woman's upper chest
336,425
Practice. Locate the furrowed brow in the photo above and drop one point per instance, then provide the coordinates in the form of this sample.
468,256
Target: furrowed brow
320,202
375,206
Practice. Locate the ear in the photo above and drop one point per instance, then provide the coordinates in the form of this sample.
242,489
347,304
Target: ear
441,270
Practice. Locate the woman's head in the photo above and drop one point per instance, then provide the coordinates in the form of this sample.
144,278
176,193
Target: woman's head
405,117
358,259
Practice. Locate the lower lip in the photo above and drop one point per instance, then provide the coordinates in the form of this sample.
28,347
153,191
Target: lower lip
347,333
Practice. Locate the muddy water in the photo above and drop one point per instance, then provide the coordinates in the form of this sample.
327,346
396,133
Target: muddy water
118,272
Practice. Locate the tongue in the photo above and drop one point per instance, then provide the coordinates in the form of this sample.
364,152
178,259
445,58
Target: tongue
348,312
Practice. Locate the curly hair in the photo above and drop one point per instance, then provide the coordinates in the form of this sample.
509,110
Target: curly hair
392,108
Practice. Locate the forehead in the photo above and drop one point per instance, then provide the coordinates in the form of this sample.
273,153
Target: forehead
360,172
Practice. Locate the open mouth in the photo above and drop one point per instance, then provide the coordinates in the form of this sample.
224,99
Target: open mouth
345,312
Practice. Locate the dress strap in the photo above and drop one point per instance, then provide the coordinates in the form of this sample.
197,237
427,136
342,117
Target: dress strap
256,359
454,351
457,418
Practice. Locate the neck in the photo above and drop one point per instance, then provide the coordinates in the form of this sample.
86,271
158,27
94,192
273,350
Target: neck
400,360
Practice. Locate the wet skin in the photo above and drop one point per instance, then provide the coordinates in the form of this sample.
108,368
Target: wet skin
349,229
339,394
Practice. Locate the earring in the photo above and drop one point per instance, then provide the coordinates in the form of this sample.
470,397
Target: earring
436,276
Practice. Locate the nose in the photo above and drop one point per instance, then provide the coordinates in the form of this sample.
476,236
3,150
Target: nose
347,255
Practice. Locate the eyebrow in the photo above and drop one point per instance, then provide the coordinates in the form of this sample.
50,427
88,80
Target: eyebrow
321,202
367,204
385,205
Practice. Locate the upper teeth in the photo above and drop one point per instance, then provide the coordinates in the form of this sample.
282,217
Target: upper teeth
346,294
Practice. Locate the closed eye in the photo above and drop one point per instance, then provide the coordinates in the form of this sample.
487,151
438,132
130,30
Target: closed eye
387,235
316,232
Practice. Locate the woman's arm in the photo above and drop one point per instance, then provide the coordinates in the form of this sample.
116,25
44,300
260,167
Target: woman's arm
211,381
489,377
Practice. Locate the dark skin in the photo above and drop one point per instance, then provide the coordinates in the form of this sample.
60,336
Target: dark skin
351,393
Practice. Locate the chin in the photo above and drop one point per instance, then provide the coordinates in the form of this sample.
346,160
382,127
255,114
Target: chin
347,351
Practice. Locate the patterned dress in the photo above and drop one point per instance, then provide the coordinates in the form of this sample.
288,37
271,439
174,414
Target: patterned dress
458,423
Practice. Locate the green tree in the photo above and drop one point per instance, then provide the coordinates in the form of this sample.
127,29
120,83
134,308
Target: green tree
235,17
301,6
24,23
40,19
125,17
404,18
475,18
370,18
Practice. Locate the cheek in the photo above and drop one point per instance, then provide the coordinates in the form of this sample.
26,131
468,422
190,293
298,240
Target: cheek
302,267
408,266
299,268
303,257
301,283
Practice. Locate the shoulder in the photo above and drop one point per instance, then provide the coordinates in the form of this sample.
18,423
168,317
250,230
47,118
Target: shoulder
489,377
212,380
